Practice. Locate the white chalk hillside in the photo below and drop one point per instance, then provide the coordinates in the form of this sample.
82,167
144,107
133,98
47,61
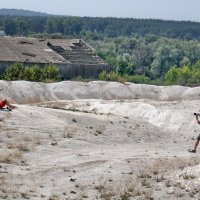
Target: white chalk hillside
142,99
26,92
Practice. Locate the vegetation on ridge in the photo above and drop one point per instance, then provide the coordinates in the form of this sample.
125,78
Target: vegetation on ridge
18,71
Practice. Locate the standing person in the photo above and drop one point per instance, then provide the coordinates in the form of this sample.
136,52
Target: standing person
193,150
4,103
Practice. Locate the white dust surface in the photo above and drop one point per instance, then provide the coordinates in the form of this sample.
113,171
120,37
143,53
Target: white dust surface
66,139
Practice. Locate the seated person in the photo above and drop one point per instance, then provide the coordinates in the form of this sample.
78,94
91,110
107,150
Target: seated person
4,103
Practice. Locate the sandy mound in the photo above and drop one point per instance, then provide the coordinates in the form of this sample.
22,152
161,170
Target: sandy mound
98,140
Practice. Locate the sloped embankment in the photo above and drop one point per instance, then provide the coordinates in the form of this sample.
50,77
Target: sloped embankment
29,92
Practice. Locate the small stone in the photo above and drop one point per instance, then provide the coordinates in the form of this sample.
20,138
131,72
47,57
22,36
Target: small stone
54,143
43,196
170,191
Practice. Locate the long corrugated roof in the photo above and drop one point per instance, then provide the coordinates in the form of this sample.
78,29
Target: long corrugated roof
33,50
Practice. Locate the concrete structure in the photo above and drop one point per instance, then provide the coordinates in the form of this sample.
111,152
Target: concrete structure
73,56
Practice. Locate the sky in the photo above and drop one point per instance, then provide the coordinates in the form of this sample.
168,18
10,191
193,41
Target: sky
187,10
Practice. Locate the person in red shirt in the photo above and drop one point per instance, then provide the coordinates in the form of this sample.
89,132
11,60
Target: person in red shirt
4,103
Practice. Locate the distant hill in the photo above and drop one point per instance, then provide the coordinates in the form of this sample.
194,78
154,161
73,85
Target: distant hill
16,12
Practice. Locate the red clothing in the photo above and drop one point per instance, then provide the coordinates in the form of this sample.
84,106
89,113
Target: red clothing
2,104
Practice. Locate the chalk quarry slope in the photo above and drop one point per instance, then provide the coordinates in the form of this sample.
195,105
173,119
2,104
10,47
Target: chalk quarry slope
168,107
26,92
71,140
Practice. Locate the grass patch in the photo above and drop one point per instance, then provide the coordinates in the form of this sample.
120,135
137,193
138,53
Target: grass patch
20,146
10,157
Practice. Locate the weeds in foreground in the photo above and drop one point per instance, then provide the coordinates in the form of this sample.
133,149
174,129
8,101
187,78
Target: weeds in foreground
145,176
21,146
10,157
2,181
69,131
188,175
54,197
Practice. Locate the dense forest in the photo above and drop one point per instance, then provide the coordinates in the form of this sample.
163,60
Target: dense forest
102,27
140,50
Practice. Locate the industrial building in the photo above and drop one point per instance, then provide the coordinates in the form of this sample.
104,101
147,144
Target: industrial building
74,57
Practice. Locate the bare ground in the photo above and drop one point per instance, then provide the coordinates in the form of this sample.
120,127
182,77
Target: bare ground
112,148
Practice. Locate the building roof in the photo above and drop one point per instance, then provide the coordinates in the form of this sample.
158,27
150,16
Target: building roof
34,50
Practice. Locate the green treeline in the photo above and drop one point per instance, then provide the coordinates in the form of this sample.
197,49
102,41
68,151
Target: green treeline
101,27
185,75
149,58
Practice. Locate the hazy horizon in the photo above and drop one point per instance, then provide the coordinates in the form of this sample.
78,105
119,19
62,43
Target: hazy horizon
178,10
